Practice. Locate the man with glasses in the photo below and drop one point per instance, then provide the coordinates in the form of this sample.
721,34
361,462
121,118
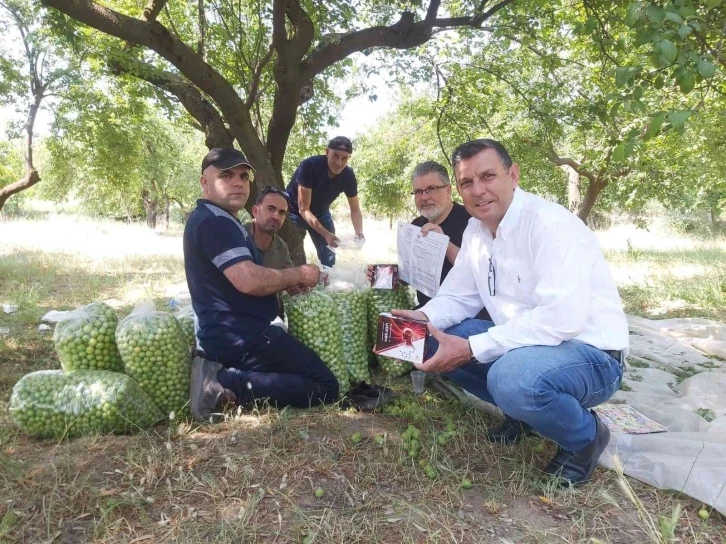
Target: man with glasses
556,342
431,191
314,186
243,357
439,213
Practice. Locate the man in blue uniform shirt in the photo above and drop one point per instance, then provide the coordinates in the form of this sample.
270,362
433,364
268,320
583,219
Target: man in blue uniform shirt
243,357
314,186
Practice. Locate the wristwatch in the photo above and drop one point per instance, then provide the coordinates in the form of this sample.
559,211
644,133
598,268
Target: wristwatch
471,358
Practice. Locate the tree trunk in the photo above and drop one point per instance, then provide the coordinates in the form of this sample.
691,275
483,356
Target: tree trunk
31,176
150,205
574,194
164,215
587,204
294,239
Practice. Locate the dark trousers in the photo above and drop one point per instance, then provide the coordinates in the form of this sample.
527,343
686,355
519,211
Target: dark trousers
277,367
326,256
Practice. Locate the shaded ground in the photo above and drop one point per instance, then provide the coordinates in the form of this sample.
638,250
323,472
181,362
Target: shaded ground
252,478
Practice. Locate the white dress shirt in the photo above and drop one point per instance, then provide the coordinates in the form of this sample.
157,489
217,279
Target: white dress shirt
551,283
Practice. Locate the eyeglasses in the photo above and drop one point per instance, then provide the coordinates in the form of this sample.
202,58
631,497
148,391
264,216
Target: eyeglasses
492,279
427,190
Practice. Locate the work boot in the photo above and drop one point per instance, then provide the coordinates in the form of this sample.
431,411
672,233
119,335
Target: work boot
208,397
576,468
510,432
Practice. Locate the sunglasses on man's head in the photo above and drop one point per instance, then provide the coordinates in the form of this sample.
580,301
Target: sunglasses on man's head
273,190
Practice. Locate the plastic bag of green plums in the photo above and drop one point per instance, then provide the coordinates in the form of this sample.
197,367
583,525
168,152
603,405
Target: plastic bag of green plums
58,404
156,354
314,319
86,341
385,300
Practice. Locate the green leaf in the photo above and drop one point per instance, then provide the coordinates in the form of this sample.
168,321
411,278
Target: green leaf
671,16
678,118
618,153
644,36
687,82
614,109
622,75
633,15
629,147
638,92
638,107
710,4
654,13
684,30
667,49
706,68
658,83
654,126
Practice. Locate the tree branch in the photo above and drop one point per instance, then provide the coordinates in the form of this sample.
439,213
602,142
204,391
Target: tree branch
152,10
404,34
432,11
158,38
252,93
279,34
576,166
209,119
202,28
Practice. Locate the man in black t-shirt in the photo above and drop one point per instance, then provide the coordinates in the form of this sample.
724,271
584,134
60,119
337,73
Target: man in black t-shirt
314,186
242,357
432,195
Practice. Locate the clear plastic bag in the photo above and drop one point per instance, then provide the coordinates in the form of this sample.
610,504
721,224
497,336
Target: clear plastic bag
155,354
314,319
58,404
383,300
186,320
352,303
85,339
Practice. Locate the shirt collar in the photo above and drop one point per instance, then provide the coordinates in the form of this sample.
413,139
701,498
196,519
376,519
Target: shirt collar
511,218
216,209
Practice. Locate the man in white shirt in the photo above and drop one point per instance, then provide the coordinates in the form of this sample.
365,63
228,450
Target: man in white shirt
558,335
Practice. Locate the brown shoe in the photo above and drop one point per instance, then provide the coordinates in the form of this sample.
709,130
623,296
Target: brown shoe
208,397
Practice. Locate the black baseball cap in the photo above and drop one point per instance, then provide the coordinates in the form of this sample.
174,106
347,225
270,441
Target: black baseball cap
341,143
224,158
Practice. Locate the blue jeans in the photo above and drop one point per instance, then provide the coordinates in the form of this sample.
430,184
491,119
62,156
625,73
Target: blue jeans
548,387
326,256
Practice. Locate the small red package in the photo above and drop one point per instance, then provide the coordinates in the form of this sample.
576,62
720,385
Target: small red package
401,338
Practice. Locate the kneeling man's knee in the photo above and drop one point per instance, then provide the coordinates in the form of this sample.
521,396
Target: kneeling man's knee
513,384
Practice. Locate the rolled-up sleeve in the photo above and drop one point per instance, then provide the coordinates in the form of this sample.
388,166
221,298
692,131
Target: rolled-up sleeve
223,242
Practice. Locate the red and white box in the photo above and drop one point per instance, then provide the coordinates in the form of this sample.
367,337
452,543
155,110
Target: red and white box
401,338
385,276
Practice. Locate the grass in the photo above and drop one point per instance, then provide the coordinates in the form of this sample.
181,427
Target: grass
252,477
678,283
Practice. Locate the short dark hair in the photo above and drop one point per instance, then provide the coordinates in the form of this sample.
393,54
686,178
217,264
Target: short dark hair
270,190
341,143
431,167
474,147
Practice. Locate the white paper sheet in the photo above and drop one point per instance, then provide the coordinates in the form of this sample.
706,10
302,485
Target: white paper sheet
420,258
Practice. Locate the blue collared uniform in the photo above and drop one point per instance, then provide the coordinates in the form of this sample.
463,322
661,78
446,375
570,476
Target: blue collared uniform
228,319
